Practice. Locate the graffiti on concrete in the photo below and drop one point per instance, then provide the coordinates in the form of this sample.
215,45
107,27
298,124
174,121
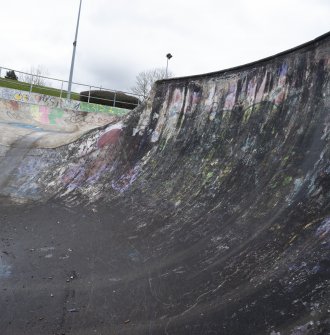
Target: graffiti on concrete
100,152
221,180
15,111
56,102
215,104
126,180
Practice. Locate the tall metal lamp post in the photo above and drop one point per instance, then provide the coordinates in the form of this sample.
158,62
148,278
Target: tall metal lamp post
73,54
168,56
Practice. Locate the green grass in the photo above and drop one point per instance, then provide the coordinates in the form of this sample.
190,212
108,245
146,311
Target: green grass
19,85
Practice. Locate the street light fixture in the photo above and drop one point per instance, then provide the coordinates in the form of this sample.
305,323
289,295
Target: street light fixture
168,56
73,55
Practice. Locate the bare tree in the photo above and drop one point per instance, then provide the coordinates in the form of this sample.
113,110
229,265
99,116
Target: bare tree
145,79
35,76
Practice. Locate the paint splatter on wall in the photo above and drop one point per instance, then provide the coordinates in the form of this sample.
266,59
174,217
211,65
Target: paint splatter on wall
55,102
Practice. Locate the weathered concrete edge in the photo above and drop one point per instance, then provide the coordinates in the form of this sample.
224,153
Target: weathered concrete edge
57,102
248,65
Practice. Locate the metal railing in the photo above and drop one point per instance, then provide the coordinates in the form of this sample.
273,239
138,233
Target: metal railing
37,83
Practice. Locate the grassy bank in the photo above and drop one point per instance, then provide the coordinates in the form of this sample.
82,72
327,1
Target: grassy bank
22,86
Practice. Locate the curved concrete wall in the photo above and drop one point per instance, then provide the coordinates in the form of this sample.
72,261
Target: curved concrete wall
56,126
205,211
56,102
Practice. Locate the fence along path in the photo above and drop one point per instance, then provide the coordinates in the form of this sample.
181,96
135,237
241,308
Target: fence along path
44,90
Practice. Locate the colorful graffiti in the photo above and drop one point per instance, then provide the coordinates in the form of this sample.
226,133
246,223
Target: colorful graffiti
101,152
46,115
221,98
126,180
55,102
51,116
111,137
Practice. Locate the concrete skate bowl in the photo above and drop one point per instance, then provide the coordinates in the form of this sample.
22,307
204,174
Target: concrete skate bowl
204,211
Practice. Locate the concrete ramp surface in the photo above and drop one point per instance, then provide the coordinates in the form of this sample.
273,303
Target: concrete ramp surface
204,211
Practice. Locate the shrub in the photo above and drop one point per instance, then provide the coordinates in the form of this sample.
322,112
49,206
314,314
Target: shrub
11,75
107,98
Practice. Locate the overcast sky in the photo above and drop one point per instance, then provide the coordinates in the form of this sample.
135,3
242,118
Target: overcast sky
119,39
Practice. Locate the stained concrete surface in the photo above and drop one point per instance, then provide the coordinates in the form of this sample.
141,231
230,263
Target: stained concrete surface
61,126
205,211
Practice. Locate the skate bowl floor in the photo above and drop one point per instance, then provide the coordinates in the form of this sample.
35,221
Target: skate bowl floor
206,210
